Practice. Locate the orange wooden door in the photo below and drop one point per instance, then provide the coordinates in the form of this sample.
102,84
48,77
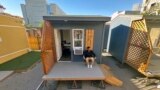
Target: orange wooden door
48,47
89,41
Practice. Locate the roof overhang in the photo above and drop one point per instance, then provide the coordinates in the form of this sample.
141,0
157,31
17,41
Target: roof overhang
77,18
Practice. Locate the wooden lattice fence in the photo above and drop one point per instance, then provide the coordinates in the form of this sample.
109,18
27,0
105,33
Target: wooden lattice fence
139,46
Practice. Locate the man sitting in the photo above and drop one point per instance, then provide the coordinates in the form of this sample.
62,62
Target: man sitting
89,57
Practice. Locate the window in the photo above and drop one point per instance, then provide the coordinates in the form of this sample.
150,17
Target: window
78,38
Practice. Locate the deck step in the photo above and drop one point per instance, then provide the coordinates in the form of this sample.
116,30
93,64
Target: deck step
109,77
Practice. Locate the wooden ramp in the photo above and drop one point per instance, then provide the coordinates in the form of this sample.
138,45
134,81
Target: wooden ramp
109,77
74,71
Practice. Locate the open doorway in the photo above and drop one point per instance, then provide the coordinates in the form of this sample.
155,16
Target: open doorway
63,45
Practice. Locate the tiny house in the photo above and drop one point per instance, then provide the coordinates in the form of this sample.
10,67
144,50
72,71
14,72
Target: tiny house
64,38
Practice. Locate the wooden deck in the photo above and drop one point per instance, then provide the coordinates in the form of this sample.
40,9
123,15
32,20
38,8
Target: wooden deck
74,71
131,79
123,72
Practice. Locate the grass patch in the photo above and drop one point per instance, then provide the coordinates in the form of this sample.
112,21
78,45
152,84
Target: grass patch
22,62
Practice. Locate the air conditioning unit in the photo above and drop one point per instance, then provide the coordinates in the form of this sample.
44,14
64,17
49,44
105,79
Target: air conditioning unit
78,52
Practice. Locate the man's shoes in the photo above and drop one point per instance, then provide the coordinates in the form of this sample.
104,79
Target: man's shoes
88,66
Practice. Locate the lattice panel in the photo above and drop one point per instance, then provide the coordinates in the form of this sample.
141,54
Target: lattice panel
140,39
138,47
136,56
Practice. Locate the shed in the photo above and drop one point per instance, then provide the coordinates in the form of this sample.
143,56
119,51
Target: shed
71,33
119,33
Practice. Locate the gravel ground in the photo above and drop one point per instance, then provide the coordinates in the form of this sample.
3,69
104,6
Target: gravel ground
28,80
31,79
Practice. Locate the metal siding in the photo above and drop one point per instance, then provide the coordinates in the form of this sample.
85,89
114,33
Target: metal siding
97,26
119,41
119,37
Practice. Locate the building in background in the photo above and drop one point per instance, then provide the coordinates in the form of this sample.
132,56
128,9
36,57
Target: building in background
55,9
34,10
2,8
13,38
151,7
136,7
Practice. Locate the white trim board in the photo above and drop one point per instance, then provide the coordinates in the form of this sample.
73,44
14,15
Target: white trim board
13,52
11,26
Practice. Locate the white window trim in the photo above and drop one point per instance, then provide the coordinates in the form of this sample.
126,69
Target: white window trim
82,47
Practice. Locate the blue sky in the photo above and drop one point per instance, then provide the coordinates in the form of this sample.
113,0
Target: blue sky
78,7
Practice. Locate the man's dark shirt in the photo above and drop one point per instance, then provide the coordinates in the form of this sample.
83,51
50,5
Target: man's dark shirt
87,53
